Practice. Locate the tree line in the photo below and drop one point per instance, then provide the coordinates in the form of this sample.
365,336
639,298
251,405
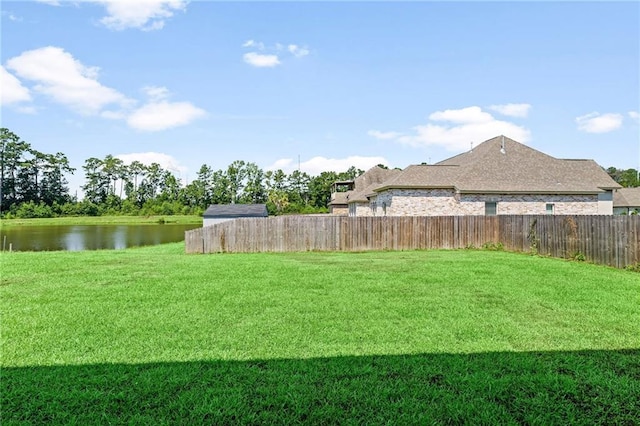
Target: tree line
628,178
34,184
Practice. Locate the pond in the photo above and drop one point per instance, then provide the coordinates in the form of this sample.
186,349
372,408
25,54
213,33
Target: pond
90,237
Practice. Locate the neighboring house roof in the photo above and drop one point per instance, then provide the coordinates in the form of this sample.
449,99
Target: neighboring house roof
502,165
338,198
363,185
366,182
626,197
236,211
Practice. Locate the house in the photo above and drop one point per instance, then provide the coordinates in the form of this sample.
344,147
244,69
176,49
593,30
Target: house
338,205
626,201
217,213
346,193
499,176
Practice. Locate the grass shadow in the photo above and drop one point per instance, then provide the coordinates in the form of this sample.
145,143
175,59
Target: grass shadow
581,387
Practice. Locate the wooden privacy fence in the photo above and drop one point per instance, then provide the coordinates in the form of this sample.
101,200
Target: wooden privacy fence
607,240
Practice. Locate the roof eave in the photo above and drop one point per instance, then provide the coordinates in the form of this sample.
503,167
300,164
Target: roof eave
540,192
384,188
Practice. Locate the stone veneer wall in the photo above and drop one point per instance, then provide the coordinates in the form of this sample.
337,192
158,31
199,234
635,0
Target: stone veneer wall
339,210
445,202
364,209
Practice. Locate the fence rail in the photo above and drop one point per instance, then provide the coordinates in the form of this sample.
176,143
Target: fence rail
607,240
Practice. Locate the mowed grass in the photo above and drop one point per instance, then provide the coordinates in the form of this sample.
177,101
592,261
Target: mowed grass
155,336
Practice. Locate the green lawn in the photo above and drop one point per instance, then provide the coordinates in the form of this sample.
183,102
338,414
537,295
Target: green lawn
154,336
101,220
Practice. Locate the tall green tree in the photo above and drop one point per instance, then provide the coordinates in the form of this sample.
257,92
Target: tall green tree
254,191
54,183
98,183
12,151
236,175
320,188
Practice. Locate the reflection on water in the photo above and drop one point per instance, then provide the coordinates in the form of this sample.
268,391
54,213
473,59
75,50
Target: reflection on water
90,237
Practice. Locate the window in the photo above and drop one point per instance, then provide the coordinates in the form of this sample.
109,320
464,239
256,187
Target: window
384,208
550,208
490,208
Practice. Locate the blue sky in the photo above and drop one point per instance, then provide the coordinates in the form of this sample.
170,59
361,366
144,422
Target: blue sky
322,84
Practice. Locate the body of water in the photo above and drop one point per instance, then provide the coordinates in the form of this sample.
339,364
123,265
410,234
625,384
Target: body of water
90,237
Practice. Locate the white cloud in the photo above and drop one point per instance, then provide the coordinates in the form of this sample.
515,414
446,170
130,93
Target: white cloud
317,165
162,115
156,93
599,123
384,135
253,43
460,127
146,15
635,115
10,16
512,110
297,51
272,54
284,164
11,90
468,115
147,158
66,80
261,61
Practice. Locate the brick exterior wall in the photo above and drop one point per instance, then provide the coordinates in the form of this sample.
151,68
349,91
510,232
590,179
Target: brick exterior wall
445,202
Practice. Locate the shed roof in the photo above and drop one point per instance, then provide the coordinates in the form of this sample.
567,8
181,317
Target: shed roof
502,165
626,197
236,210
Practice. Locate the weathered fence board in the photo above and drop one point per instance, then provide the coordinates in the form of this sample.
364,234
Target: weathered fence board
607,240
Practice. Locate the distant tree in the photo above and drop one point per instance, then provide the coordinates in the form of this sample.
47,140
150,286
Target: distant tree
351,173
254,189
54,187
12,151
298,188
236,175
320,188
628,178
98,183
113,168
220,188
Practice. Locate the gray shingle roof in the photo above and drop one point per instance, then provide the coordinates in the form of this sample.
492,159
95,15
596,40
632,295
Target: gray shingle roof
366,182
339,198
626,197
236,210
520,169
